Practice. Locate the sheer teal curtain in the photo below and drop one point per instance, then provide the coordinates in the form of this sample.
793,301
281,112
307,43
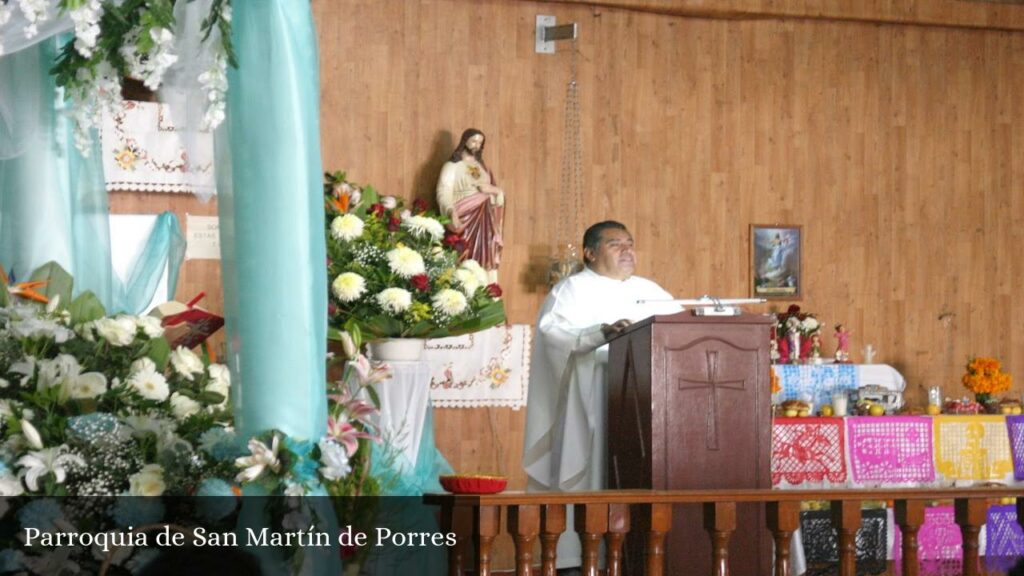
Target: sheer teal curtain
272,222
53,201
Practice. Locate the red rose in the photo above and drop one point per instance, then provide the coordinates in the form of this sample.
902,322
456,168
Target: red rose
377,209
494,290
420,282
452,239
331,309
793,309
394,222
419,205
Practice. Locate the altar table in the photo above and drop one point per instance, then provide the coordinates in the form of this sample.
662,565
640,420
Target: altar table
906,451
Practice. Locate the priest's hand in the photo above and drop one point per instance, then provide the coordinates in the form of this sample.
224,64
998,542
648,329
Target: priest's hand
610,330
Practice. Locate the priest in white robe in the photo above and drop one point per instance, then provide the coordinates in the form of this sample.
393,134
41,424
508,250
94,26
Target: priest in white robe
565,445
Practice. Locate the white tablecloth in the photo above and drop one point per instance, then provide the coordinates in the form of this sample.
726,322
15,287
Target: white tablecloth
404,402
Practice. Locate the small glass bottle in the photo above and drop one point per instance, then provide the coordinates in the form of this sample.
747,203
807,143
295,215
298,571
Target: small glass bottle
935,396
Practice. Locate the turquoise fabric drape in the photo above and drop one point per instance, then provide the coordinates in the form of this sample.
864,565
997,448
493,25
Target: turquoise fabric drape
53,201
165,247
272,222
35,209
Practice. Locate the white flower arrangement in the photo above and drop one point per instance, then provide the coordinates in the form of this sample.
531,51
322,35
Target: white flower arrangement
401,275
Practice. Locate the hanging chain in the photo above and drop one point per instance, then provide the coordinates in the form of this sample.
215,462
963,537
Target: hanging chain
571,197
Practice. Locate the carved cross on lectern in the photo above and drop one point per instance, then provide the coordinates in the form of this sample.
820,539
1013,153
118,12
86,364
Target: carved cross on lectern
712,384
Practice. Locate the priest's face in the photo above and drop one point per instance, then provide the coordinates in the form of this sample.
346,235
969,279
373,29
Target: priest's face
614,256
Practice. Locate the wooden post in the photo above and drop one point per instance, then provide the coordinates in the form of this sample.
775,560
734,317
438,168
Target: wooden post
970,515
552,519
457,520
909,516
719,522
846,521
783,520
661,523
524,524
618,527
487,522
591,523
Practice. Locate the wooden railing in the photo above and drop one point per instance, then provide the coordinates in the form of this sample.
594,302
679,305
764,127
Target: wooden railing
476,519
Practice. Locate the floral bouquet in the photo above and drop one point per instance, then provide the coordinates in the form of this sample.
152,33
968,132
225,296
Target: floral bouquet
985,377
796,333
99,406
395,272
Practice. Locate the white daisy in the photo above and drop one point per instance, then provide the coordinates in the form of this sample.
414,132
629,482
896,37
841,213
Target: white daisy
150,384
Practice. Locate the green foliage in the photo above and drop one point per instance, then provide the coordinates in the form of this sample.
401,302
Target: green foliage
58,281
86,308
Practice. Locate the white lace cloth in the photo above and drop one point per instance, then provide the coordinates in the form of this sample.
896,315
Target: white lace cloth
488,368
143,151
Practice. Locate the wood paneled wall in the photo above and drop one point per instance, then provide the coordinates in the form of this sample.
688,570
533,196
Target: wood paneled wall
898,148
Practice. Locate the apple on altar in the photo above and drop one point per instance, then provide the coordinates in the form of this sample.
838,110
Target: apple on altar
962,406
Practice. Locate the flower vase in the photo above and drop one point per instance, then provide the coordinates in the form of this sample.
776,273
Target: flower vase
396,349
983,398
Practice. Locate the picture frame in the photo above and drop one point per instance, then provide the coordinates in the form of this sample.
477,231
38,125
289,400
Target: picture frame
776,251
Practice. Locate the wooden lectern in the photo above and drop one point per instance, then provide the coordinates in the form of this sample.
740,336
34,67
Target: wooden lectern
689,403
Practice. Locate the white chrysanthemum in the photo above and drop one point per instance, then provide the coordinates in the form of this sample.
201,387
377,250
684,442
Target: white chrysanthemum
347,227
141,365
394,300
150,326
405,262
348,286
389,202
118,331
810,324
450,302
186,363
150,384
88,385
478,270
424,225
183,406
467,280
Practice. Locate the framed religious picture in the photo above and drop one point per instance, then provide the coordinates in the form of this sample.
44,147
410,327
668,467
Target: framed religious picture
775,270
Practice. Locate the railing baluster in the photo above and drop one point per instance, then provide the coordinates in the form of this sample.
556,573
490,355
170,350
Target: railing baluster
909,515
970,515
487,522
591,524
661,523
524,524
618,526
783,519
846,521
720,522
552,519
